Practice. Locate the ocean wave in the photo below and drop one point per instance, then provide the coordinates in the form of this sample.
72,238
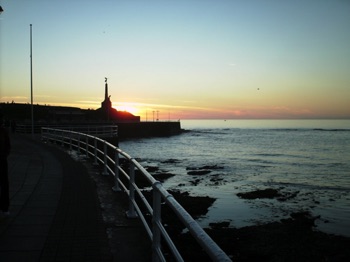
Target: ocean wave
311,186
331,130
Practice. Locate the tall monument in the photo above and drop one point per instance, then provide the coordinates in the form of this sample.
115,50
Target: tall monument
107,112
106,104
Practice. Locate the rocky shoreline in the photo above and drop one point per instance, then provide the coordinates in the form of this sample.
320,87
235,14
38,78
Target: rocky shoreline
294,238
291,239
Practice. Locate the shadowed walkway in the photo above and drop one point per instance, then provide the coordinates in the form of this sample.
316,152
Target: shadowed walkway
56,214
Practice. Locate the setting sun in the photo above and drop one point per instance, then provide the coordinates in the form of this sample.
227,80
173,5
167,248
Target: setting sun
128,107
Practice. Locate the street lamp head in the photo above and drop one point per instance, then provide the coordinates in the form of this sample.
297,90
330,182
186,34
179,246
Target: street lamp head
1,10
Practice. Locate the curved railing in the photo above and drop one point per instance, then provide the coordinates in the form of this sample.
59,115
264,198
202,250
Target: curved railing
95,130
110,157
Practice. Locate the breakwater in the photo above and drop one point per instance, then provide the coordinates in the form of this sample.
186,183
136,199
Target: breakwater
126,130
148,129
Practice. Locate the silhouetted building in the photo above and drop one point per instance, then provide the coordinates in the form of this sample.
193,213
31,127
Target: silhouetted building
106,104
108,113
68,115
65,114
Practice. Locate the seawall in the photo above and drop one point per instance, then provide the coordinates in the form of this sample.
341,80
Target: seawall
148,129
126,130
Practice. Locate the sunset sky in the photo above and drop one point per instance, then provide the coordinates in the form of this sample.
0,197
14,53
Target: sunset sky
183,59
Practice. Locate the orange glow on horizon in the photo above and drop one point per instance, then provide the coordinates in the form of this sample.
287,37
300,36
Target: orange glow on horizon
166,112
128,108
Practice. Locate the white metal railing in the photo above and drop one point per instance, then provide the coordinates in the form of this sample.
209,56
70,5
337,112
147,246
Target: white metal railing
26,129
110,157
95,130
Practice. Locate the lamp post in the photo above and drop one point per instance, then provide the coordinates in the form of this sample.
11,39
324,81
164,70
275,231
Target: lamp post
31,81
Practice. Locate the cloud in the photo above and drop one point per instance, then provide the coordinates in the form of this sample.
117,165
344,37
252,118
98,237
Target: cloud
89,102
13,98
42,96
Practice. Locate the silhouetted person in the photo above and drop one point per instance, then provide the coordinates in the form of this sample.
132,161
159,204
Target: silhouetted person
13,126
5,147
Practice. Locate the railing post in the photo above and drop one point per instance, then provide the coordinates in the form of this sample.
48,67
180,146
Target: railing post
156,219
116,187
105,172
95,151
131,212
62,138
87,146
42,134
45,132
79,143
70,141
55,136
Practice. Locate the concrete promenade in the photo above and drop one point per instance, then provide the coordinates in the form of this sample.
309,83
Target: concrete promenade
56,214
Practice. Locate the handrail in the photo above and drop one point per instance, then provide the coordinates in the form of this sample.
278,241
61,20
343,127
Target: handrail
96,130
109,155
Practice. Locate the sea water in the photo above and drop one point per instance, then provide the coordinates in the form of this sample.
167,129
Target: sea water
307,160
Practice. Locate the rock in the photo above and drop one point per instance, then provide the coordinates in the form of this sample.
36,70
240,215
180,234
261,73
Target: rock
264,193
152,168
219,225
211,167
171,161
198,172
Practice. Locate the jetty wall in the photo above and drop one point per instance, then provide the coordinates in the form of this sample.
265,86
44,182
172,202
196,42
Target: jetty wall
148,129
126,130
